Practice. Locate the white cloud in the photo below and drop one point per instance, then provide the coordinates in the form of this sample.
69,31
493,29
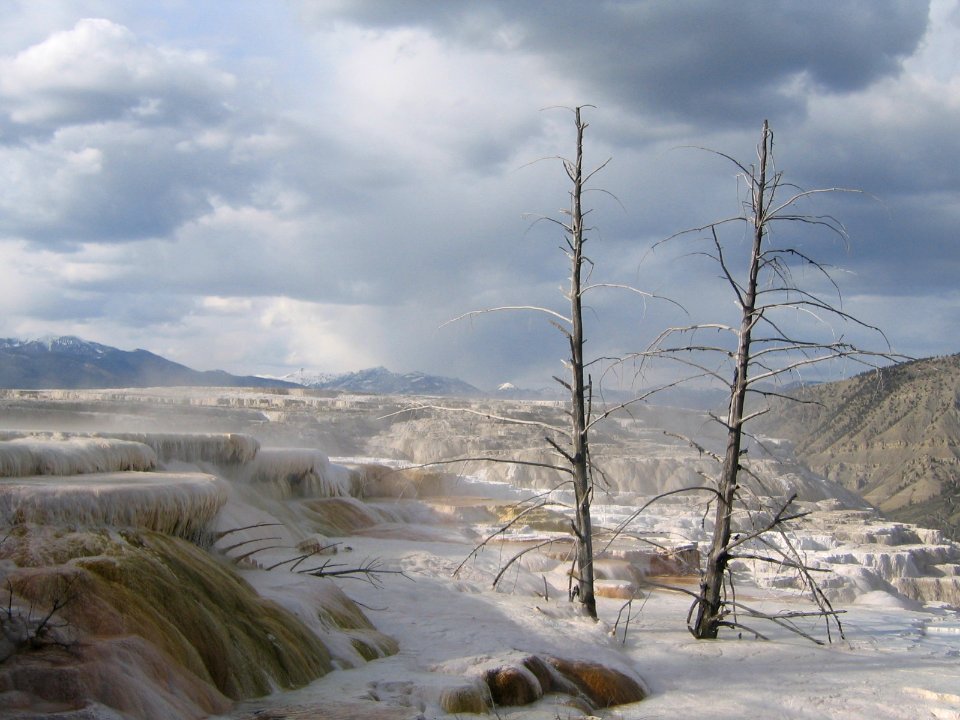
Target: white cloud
433,107
268,335
99,71
217,305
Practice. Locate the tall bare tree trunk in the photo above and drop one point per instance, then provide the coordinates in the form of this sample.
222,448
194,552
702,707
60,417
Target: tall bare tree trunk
709,614
583,491
571,442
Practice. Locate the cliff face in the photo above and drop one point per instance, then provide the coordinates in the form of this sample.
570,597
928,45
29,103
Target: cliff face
892,435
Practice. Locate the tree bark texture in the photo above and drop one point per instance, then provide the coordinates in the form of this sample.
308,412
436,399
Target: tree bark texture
710,607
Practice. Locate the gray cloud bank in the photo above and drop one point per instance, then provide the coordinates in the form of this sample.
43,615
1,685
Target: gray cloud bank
323,184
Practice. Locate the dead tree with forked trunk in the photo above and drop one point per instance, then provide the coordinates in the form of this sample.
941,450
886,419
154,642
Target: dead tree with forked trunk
762,351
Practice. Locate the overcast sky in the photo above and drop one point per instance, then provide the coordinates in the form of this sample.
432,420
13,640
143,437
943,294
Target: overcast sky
262,186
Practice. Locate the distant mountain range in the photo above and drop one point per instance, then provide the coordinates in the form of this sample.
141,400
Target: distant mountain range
892,435
380,381
69,362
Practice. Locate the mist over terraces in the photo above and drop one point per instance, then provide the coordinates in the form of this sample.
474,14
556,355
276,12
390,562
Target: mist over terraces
891,435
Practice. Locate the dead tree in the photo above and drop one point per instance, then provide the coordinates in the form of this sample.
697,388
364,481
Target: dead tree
571,444
579,456
763,352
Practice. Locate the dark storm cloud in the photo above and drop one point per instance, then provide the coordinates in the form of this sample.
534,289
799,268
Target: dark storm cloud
702,62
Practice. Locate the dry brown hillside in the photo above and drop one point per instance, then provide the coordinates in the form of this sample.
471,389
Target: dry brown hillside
892,435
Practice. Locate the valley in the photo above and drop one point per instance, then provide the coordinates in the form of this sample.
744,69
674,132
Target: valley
893,436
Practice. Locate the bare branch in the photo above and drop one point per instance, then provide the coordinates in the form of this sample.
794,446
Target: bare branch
630,288
497,533
369,571
774,213
633,516
534,308
491,459
479,413
517,556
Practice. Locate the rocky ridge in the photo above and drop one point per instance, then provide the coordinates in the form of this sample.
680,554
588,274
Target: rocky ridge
891,435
